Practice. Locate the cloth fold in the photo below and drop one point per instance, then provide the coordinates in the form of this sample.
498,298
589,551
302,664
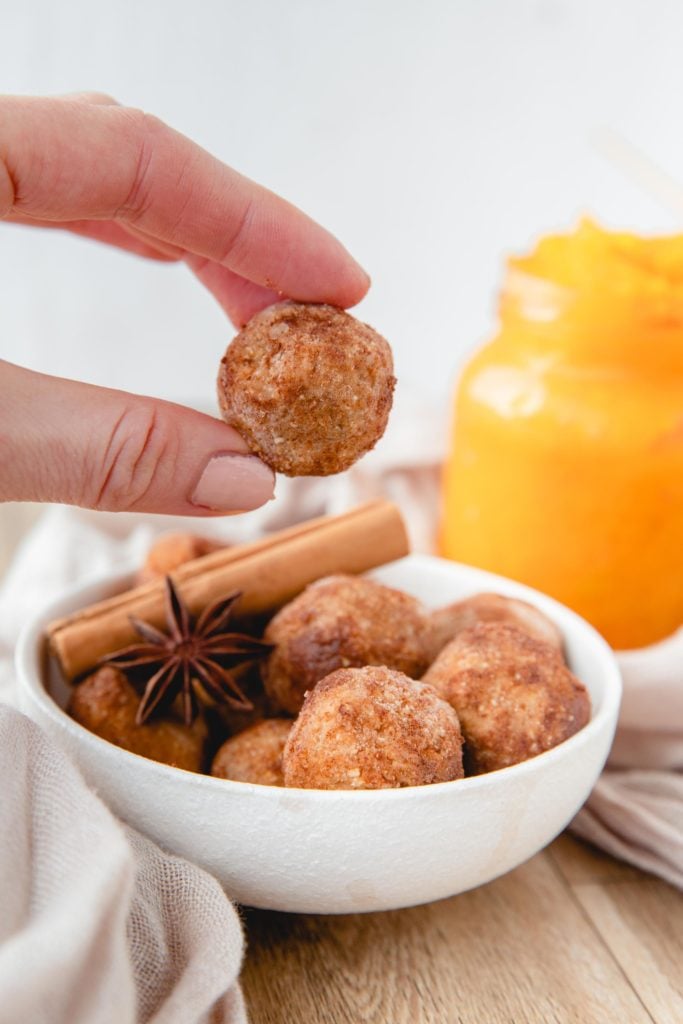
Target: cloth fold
638,816
97,923
635,811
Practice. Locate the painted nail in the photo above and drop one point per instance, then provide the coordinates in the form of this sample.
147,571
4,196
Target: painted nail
234,483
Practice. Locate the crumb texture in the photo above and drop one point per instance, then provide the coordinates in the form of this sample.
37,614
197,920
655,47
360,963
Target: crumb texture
446,623
255,755
341,622
372,728
513,694
106,703
308,387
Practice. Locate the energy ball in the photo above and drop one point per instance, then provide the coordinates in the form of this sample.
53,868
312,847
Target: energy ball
308,387
446,623
372,728
106,704
255,755
513,694
171,550
341,622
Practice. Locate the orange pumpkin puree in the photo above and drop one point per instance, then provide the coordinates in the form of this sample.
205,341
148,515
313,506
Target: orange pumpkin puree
566,462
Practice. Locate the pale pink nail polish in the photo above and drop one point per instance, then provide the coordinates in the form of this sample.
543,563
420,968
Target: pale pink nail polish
234,483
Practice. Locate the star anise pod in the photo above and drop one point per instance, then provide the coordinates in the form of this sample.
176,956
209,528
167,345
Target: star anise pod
195,658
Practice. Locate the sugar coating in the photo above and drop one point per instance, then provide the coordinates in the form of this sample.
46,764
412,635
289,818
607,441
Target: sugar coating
255,755
372,728
308,387
106,704
513,694
446,623
341,622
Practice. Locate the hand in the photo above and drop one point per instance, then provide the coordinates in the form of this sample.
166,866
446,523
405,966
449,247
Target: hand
89,166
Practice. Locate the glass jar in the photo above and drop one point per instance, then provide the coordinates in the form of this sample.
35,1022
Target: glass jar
566,462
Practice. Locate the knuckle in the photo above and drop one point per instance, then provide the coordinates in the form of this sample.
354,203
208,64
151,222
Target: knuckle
8,190
240,234
144,130
149,126
135,462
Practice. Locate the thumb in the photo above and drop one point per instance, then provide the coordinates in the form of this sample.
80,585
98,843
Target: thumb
82,445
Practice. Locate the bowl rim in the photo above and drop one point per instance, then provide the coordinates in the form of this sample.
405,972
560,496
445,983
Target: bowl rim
31,638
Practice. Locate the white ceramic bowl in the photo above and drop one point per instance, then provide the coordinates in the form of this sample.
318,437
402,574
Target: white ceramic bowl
317,851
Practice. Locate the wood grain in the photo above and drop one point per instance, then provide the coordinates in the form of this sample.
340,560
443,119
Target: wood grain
518,951
641,923
579,862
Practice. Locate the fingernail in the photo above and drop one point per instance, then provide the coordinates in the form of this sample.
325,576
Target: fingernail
234,483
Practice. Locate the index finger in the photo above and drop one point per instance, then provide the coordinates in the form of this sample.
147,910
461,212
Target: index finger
64,160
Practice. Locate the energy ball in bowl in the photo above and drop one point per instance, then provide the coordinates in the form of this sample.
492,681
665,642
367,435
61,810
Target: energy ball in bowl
446,623
513,694
341,622
308,387
255,755
171,550
371,728
106,704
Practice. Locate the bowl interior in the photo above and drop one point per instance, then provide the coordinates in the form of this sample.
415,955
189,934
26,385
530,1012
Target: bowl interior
434,581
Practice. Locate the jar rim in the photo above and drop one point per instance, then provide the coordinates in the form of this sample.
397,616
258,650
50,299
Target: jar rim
540,300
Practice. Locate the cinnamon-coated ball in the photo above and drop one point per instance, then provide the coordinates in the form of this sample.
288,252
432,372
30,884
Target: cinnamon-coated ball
513,694
308,387
106,704
255,755
341,622
371,728
446,623
171,550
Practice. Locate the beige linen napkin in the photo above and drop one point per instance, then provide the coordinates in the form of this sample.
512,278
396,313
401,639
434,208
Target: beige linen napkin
636,810
97,924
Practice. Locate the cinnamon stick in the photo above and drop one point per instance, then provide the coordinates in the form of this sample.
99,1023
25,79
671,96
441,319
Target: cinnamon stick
269,572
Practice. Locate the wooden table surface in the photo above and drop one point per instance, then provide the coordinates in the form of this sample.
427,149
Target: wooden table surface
570,937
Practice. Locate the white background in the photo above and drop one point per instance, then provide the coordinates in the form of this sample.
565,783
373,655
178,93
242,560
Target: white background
433,137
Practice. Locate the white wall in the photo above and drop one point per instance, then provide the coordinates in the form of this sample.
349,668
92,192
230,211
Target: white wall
431,136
